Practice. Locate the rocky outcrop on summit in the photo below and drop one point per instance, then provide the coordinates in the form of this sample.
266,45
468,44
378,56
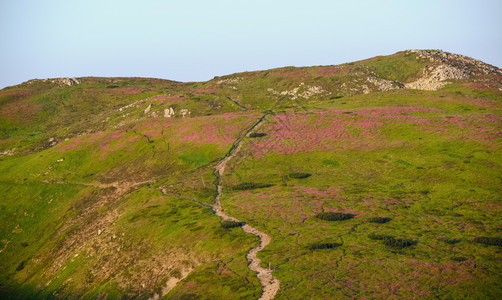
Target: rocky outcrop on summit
447,66
434,78
59,81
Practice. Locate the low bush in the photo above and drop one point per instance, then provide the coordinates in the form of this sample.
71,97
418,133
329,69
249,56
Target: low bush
21,265
112,86
399,243
319,245
379,220
299,175
24,244
257,134
230,224
459,258
380,237
334,216
451,241
490,241
250,185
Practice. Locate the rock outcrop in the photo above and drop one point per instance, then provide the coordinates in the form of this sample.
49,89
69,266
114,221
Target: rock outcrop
445,67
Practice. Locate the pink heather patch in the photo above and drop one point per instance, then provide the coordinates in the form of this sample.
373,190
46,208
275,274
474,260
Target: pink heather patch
362,129
111,146
221,129
81,142
332,70
293,205
20,109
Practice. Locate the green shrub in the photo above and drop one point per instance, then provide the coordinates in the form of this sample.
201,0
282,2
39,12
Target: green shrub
21,265
334,216
459,258
257,134
250,185
490,241
399,243
299,175
319,245
379,220
230,224
380,237
451,241
24,244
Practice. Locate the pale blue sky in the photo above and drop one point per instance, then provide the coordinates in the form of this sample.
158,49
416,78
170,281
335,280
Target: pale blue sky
193,40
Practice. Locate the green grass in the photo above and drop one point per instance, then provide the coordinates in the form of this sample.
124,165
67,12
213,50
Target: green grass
411,177
404,67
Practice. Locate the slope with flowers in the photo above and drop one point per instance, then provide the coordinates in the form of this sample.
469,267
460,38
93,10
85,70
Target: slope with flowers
104,182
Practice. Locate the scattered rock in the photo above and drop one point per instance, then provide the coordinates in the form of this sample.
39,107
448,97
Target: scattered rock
8,152
229,80
436,77
184,112
58,81
148,108
384,84
168,112
302,91
60,160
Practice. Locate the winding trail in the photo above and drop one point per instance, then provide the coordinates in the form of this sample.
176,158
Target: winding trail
270,284
237,103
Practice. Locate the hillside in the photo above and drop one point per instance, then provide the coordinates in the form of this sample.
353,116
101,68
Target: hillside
378,178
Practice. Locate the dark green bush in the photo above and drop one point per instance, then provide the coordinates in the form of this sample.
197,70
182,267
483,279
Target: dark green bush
21,265
380,220
459,258
24,244
380,237
319,245
112,86
451,241
250,185
334,216
299,175
230,224
257,134
399,243
490,241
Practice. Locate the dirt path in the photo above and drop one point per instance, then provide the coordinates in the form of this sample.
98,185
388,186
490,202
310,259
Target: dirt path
237,103
270,284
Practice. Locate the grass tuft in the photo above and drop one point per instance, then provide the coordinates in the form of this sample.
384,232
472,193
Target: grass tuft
319,245
230,224
299,175
379,220
490,241
334,216
250,186
257,134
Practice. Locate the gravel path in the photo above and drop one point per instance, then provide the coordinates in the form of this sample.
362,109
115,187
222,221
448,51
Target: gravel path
270,284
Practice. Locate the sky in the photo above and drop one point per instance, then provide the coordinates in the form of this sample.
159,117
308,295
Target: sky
195,40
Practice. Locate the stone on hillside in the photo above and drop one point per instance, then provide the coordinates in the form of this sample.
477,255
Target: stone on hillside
168,112
148,108
184,112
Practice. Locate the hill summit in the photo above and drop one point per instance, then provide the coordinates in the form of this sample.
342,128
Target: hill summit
372,179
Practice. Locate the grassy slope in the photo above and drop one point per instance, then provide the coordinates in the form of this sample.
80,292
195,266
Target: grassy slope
428,160
53,210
